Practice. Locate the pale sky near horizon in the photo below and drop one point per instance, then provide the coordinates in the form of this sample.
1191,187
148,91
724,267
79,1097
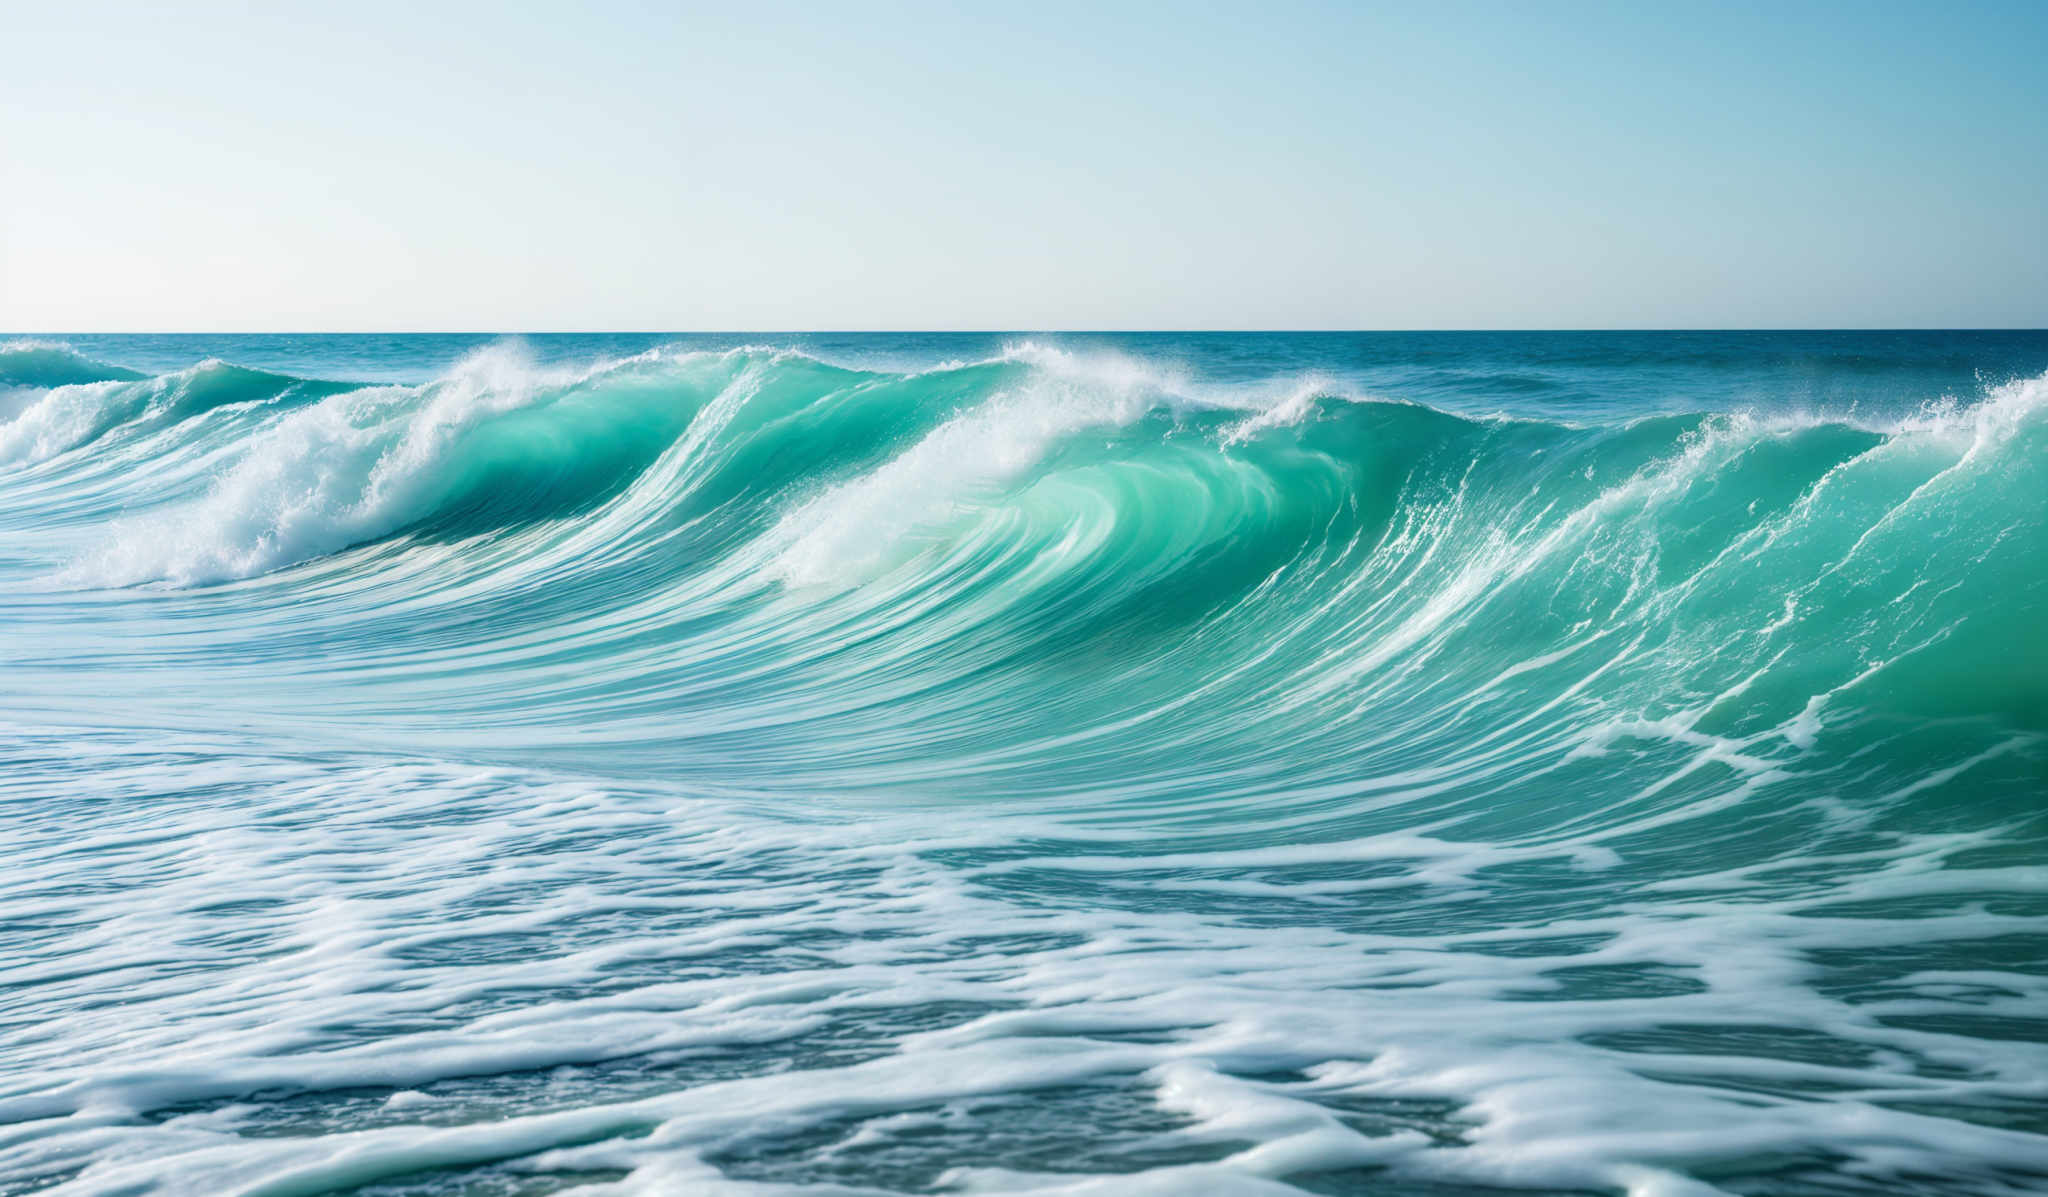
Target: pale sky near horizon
470,166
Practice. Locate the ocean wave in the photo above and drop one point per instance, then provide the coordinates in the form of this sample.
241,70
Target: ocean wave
735,768
1040,496
43,364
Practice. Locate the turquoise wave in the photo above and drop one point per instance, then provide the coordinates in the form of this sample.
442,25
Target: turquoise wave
1057,505
1482,706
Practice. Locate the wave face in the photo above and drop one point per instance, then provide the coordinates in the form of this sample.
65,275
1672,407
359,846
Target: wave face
1424,765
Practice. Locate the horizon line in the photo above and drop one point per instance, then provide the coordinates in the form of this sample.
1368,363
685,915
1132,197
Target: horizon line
1020,330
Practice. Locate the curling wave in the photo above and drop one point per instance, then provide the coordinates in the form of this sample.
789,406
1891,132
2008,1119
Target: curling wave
732,767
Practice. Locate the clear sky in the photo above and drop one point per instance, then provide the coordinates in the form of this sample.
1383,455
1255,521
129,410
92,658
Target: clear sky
487,166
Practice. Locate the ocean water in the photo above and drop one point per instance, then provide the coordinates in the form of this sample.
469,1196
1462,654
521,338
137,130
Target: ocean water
1408,765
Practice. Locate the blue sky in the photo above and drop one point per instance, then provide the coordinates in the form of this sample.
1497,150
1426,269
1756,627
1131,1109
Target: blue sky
429,165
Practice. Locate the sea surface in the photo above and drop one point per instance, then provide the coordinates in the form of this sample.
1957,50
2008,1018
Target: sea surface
1402,765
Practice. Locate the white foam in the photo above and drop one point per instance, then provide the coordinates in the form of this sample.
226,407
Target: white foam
353,467
366,895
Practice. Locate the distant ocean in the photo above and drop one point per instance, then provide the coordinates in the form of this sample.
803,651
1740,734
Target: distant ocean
1406,765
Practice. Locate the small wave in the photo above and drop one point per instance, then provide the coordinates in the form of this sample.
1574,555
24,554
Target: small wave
52,363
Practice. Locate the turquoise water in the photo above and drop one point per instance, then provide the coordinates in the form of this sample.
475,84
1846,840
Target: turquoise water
1417,764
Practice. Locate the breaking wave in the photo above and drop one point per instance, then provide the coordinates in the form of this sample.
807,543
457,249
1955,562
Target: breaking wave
1295,787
